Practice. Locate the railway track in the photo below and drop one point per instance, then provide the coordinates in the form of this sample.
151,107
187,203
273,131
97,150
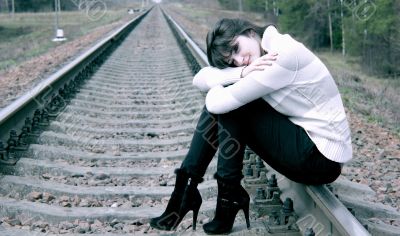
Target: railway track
100,159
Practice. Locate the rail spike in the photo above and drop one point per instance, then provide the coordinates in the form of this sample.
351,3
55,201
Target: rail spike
309,232
264,205
4,157
251,184
283,221
8,155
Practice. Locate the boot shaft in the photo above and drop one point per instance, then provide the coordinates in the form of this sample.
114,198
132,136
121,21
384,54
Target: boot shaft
232,197
183,180
184,198
232,190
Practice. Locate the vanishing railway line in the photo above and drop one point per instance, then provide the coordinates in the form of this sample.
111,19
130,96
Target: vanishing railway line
98,156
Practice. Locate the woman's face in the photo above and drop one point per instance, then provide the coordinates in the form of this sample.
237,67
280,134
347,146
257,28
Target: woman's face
246,50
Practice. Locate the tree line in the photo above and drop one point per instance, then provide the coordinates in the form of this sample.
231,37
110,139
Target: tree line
66,5
365,29
34,5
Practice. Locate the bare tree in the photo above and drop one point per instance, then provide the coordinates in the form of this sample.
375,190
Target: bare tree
330,25
276,8
343,36
6,5
12,8
81,4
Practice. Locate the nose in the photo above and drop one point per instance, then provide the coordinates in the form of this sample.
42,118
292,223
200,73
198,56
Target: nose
238,60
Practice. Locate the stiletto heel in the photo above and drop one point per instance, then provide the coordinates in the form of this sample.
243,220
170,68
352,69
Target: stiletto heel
195,213
246,215
184,198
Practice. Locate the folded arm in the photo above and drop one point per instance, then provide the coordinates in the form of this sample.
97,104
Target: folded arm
255,85
209,77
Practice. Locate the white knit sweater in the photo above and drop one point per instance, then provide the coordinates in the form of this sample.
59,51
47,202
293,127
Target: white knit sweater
297,85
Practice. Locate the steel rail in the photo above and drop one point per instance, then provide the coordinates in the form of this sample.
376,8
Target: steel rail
12,116
339,216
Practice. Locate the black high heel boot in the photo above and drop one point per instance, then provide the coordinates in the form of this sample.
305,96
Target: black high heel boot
184,198
232,197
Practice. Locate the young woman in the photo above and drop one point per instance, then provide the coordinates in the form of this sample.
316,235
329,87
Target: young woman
269,92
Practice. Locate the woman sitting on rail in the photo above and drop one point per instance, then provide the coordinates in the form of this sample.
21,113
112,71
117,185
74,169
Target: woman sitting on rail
268,91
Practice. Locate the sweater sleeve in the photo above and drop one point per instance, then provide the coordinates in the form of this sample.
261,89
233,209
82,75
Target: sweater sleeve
258,84
209,77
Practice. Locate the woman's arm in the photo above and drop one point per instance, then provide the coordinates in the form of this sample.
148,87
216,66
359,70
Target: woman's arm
209,77
257,84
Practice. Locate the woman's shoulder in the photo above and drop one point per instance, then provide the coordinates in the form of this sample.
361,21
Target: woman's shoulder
291,53
268,35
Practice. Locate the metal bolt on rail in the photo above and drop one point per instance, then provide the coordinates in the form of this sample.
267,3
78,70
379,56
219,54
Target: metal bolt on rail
260,165
35,127
247,153
53,108
17,142
23,142
28,124
36,121
283,221
264,205
2,150
67,94
249,156
45,117
248,171
30,136
272,186
13,135
74,86
62,93
11,156
5,157
251,184
250,161
71,87
309,232
56,105
12,141
260,194
39,118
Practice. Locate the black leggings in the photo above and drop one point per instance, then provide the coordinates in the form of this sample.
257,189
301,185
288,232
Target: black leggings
280,143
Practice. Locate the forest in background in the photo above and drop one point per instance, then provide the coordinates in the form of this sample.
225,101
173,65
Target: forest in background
367,74
367,30
364,29
66,5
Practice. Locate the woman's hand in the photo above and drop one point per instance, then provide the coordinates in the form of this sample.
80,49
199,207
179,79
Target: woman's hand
260,63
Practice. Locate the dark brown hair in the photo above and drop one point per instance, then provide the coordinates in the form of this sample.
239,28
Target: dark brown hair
220,39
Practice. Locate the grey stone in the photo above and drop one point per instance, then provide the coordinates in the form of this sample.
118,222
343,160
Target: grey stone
33,196
114,222
66,225
84,203
47,197
101,176
97,226
83,227
118,226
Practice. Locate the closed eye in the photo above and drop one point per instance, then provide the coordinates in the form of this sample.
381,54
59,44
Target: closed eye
235,48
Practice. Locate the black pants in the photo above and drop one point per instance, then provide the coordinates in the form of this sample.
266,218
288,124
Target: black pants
280,143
